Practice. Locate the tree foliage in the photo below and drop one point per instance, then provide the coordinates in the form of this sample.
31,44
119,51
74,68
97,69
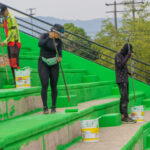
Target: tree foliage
78,45
137,31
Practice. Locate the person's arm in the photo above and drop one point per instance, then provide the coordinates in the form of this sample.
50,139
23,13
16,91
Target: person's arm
60,45
121,63
43,40
12,30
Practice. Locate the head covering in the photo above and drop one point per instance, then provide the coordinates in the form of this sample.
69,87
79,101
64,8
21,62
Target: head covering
58,29
3,8
126,48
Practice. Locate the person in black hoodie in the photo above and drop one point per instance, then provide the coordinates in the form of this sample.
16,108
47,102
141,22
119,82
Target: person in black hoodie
122,74
48,67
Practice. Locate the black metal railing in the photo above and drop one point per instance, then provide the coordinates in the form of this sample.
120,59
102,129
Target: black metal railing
83,50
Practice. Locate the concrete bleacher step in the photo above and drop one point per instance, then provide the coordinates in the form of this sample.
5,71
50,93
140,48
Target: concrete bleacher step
90,78
16,102
124,137
72,76
51,130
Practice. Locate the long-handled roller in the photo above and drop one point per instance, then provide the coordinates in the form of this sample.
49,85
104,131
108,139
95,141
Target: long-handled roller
3,58
131,69
62,72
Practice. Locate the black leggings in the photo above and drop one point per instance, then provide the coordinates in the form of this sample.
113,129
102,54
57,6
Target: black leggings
124,92
48,72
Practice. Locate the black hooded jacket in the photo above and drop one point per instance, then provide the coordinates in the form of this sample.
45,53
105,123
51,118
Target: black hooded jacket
121,59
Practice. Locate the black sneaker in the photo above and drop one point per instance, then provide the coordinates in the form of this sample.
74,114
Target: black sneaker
46,111
53,110
128,120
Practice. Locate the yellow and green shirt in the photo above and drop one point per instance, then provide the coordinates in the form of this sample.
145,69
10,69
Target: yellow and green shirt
11,30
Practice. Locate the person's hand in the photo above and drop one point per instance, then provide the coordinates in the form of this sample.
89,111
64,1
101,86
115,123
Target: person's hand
50,35
59,59
2,44
132,74
129,55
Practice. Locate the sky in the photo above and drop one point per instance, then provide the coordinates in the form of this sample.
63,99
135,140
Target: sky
65,9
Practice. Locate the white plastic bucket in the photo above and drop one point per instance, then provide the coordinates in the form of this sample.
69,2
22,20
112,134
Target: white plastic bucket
90,130
23,77
137,113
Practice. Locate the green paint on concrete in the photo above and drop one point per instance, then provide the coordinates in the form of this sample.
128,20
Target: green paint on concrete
140,133
12,111
86,81
64,147
30,126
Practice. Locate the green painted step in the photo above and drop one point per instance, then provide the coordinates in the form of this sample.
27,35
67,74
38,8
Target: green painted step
79,93
90,78
140,96
148,141
109,120
84,89
115,91
19,129
8,86
62,101
72,76
146,103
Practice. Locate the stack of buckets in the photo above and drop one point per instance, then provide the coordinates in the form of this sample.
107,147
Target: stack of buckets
90,130
137,113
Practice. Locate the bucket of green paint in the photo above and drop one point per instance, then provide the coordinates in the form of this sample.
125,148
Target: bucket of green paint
23,77
90,130
137,113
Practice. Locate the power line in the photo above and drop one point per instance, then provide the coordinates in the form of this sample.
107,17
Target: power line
124,3
133,3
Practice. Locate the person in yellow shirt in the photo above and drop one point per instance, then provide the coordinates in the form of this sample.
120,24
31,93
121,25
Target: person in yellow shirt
12,40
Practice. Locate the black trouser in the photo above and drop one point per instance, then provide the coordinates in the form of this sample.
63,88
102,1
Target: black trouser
48,72
124,100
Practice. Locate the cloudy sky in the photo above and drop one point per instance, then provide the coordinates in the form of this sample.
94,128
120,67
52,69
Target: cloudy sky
65,9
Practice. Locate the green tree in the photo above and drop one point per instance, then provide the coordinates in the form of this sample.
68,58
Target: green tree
75,46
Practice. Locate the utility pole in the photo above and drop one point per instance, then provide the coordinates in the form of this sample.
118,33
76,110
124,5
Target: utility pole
116,11
31,14
115,15
133,3
133,10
